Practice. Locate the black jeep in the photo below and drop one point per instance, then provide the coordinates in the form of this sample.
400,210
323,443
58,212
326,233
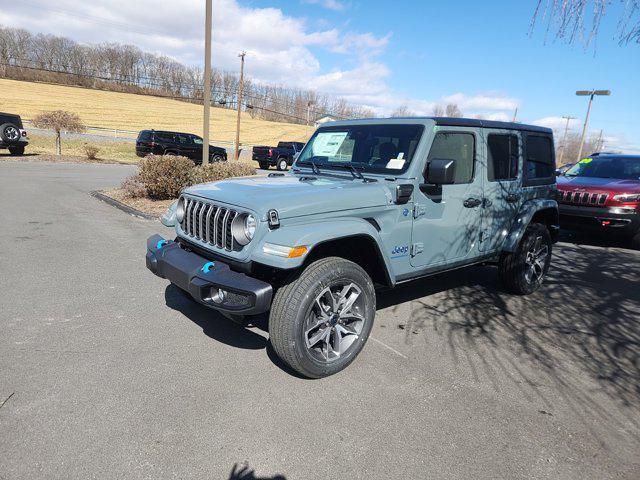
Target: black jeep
12,134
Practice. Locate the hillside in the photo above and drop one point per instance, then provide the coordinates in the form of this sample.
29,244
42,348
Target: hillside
136,112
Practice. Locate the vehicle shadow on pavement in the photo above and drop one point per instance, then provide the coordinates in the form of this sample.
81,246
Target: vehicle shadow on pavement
579,334
219,328
213,324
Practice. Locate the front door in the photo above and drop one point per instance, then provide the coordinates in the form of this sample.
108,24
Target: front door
501,186
447,218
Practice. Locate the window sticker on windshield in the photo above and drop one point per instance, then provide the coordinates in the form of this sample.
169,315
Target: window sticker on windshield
396,163
327,144
586,160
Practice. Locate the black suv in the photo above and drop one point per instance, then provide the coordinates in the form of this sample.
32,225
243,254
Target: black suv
159,142
12,134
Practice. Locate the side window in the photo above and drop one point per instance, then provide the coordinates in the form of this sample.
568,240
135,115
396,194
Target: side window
539,158
459,147
502,157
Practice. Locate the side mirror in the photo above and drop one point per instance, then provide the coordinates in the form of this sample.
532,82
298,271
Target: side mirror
441,171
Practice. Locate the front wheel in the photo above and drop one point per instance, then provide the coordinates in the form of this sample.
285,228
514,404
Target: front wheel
17,150
523,271
217,158
282,164
320,321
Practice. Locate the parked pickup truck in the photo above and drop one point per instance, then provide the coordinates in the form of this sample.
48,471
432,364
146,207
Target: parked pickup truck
281,156
368,203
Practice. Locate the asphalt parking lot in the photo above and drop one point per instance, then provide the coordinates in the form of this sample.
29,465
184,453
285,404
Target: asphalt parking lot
106,372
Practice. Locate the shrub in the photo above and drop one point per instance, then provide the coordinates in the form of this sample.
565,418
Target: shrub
164,176
219,171
133,187
91,151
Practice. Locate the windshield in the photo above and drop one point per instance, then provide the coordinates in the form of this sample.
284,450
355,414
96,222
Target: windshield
371,148
623,168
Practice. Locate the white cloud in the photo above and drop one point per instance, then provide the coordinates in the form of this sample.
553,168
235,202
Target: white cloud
280,48
330,4
557,123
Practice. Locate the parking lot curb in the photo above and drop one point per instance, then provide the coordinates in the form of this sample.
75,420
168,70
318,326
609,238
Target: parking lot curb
121,206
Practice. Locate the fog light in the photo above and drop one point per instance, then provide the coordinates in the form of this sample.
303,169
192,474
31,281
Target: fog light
218,295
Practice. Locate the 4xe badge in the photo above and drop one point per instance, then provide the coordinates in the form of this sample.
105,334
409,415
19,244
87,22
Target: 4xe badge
400,251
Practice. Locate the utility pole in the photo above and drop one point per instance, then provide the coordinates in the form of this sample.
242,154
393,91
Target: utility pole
599,144
590,94
309,103
240,87
515,115
207,83
564,138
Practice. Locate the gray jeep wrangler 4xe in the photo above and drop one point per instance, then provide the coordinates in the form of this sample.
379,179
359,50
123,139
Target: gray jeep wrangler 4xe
367,203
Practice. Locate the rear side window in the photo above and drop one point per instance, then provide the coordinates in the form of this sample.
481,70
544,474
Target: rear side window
459,147
144,136
285,145
503,157
539,161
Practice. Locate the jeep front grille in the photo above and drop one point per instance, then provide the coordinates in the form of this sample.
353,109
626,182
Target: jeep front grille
582,198
209,223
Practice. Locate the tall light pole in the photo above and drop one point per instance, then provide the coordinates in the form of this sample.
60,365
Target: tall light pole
309,103
207,83
564,138
240,87
590,94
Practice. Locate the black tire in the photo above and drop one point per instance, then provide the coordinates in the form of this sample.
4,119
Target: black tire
170,154
518,271
294,304
217,158
9,133
282,164
263,165
635,241
17,150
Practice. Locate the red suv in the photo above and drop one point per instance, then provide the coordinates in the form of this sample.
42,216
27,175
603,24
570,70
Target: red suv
602,193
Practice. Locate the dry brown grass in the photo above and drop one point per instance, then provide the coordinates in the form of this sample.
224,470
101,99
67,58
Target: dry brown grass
144,204
137,112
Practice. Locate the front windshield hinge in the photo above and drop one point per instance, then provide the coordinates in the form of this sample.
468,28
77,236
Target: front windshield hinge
419,210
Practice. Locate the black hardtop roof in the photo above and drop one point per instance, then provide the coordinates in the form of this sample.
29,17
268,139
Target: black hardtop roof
452,122
12,117
474,122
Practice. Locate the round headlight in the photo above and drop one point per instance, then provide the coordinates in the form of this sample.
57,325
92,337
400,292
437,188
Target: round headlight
250,226
180,210
243,228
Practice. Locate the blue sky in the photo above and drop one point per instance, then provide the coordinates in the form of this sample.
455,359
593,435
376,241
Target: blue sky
382,54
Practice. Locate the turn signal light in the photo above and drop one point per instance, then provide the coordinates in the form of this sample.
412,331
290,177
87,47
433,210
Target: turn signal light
296,252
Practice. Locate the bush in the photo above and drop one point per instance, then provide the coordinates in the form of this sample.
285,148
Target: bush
133,187
91,151
219,171
164,176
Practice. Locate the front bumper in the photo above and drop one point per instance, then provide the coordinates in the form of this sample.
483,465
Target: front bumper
203,279
623,220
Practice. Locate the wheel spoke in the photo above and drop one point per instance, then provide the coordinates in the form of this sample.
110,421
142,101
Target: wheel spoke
337,340
317,337
346,330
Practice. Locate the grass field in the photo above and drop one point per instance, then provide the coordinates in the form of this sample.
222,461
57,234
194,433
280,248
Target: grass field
136,112
123,152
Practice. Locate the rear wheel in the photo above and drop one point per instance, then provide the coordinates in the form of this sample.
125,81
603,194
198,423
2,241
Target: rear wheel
9,133
17,150
635,241
523,271
320,321
264,165
217,158
282,164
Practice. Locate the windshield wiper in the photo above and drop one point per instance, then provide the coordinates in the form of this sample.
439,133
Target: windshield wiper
355,171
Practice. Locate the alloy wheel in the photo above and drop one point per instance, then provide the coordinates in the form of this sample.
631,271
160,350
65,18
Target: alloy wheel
536,260
335,322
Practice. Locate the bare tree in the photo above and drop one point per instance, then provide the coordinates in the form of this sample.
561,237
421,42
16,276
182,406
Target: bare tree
572,146
452,110
402,111
438,111
58,121
579,20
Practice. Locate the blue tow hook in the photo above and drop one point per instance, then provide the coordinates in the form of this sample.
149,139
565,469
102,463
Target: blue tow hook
207,266
161,244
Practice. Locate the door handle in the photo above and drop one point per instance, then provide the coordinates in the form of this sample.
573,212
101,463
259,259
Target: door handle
512,198
472,202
